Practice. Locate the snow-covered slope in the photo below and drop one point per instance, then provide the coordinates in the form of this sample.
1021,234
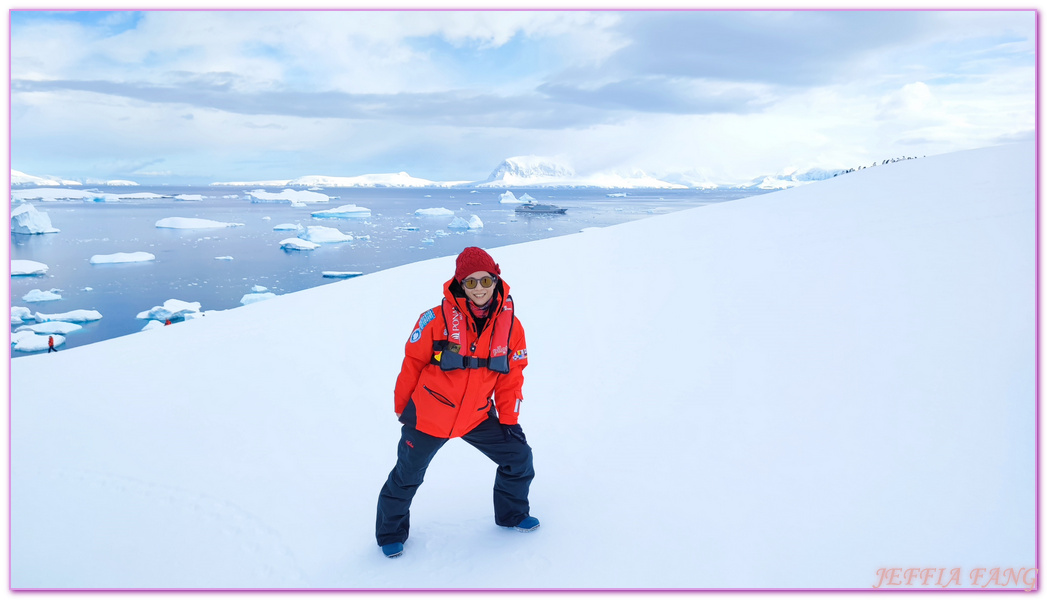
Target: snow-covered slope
791,390
20,178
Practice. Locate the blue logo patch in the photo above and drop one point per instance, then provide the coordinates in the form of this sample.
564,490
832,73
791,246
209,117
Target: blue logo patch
426,318
416,335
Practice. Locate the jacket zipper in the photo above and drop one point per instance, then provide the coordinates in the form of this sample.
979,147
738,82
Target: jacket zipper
439,397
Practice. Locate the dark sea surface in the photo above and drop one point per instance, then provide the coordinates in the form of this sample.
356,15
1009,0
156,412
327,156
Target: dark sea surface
186,267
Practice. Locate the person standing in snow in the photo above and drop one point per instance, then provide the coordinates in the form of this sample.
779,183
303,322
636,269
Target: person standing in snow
462,376
51,344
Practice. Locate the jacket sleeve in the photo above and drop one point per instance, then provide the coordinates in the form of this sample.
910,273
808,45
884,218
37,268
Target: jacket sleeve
508,389
418,352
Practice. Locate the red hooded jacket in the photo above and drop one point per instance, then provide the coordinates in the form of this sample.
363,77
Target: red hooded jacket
445,386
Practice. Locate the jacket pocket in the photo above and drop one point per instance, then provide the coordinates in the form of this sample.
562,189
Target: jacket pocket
439,397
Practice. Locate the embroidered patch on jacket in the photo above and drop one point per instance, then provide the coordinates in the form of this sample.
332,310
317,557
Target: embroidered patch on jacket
424,320
520,354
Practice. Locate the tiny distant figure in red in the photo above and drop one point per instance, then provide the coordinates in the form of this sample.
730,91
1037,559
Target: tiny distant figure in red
168,322
51,344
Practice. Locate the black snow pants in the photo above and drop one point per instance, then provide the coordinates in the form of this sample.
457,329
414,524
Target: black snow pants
415,451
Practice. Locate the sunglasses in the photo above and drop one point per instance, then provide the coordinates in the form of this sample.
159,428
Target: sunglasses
486,282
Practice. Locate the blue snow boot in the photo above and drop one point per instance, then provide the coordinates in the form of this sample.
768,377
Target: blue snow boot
528,524
393,550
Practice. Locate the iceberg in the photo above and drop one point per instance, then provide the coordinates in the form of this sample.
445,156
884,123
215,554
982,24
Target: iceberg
291,196
172,309
297,244
20,314
288,227
434,212
27,267
190,223
27,220
319,234
474,222
121,257
41,296
338,275
258,297
51,327
27,341
526,197
348,211
73,316
509,198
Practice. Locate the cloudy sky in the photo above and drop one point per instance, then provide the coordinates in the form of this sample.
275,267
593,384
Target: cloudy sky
197,96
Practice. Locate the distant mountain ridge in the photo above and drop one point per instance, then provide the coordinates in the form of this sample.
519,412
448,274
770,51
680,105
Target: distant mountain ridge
515,172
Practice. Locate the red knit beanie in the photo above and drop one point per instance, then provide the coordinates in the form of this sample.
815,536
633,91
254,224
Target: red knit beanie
474,259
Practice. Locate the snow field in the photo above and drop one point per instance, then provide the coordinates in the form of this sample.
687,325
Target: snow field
791,390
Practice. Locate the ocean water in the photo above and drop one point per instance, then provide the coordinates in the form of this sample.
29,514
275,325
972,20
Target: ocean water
186,267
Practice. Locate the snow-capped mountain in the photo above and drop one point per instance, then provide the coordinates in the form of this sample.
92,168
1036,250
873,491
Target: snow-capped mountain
20,178
791,177
539,171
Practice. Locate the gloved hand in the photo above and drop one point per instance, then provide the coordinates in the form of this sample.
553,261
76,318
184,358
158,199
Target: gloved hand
512,432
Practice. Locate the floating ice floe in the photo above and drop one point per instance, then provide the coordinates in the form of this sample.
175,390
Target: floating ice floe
288,227
189,197
42,296
347,211
258,289
172,309
190,223
121,257
474,222
340,274
27,341
27,220
434,212
319,234
51,327
428,241
509,198
73,316
252,298
298,244
27,267
472,203
408,228
440,233
299,197
223,258
21,314
617,195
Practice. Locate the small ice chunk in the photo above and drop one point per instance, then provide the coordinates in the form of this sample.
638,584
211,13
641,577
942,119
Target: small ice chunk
27,220
295,197
297,244
252,298
319,234
190,223
172,309
288,227
347,211
341,274
428,241
28,341
267,218
41,296
20,314
223,258
472,203
440,233
258,289
27,267
89,289
73,316
408,228
434,212
121,257
617,195
51,327
189,197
